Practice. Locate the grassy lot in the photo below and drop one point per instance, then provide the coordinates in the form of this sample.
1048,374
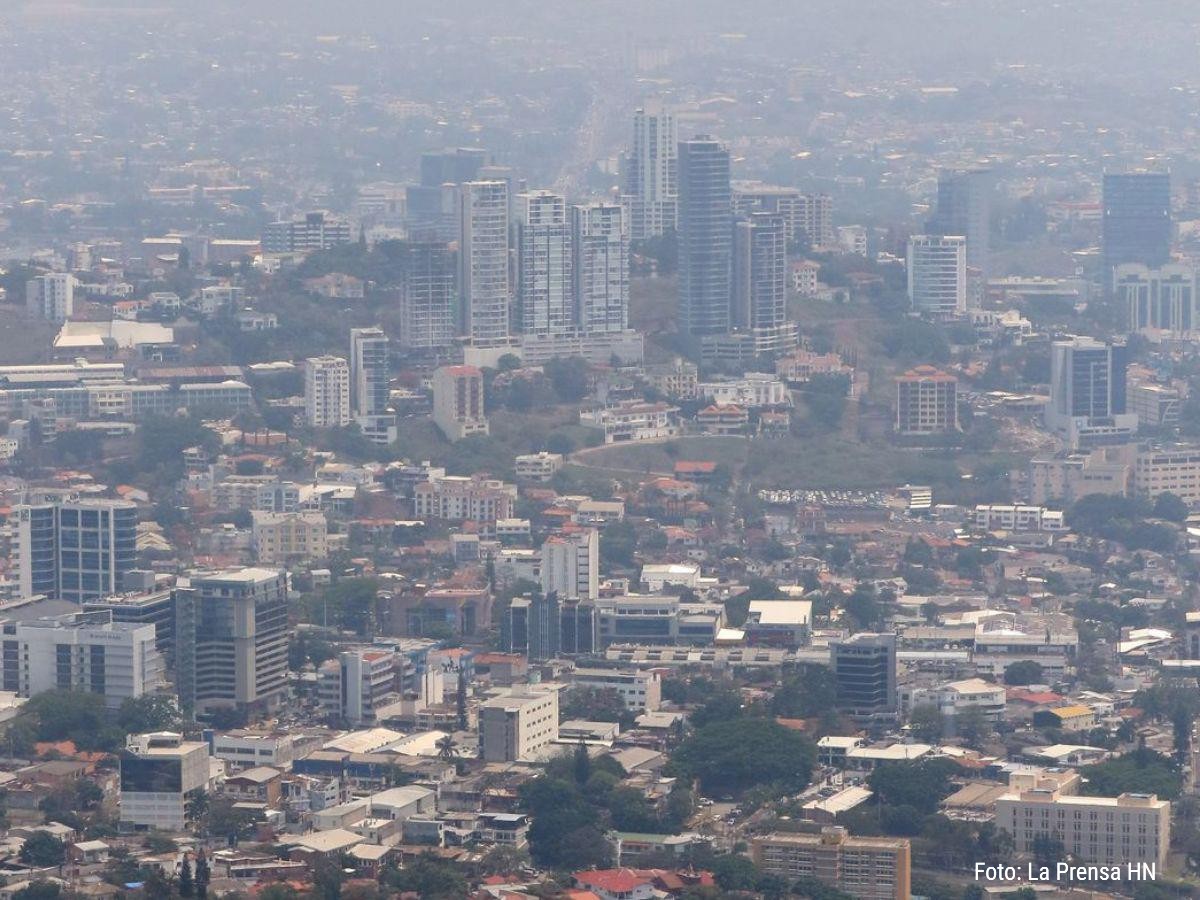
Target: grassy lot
651,458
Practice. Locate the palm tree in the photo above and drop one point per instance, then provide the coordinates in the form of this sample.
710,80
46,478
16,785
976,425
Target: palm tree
447,748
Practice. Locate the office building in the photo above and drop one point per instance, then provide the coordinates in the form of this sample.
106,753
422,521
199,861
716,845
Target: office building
51,297
483,262
1173,469
651,187
314,231
327,392
517,727
1136,221
545,283
926,402
231,640
1088,392
1159,299
84,651
369,391
571,565
705,237
964,208
600,244
868,868
428,298
1131,828
289,538
759,277
431,206
458,402
1065,478
160,774
640,690
937,274
154,607
74,550
358,684
864,669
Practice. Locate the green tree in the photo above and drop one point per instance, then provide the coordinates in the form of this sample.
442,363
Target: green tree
736,754
920,785
42,850
39,890
428,877
1170,507
150,712
1024,672
927,723
187,886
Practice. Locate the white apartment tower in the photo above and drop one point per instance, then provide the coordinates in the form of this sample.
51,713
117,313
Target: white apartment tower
483,261
544,280
51,297
458,402
327,392
937,274
571,565
651,190
600,242
369,392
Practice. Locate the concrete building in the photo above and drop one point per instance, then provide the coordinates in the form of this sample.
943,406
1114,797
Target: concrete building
1131,828
369,394
85,651
1009,517
705,237
1173,469
651,193
428,297
153,607
231,633
545,277
1156,300
73,549
284,539
483,262
571,565
458,402
358,683
600,267
759,279
753,390
327,392
964,208
314,231
457,498
160,774
540,466
517,726
955,697
51,296
937,275
864,669
1088,392
926,402
868,868
1064,479
640,691
632,421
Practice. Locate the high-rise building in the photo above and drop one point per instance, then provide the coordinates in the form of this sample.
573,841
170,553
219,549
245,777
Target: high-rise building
651,189
154,607
458,402
867,868
1088,392
74,550
759,276
545,284
231,640
160,774
1160,299
1137,221
600,244
571,565
428,300
964,208
369,392
937,274
864,670
483,262
82,651
327,392
51,296
808,217
705,237
926,402
314,231
358,683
